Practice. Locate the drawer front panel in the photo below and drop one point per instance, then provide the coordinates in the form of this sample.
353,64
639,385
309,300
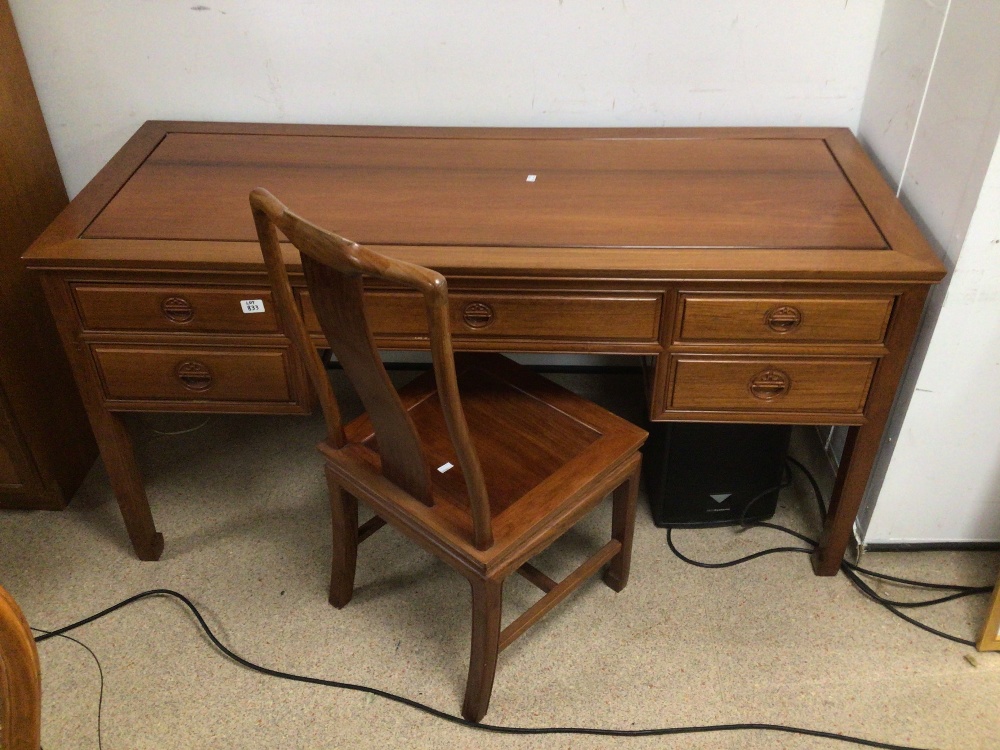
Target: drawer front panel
757,384
136,373
569,317
816,319
175,308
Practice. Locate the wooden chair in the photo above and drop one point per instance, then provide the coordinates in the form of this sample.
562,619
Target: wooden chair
548,456
20,680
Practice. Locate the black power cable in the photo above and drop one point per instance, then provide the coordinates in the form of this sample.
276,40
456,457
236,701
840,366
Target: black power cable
100,672
437,713
851,572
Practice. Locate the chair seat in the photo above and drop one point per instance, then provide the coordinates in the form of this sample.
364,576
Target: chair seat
546,453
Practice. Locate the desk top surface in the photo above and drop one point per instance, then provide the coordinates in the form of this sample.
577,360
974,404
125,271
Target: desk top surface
638,199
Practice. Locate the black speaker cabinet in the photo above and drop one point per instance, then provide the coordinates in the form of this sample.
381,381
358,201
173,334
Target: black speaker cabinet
700,474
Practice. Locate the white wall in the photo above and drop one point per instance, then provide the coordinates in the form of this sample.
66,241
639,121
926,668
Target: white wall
102,67
932,117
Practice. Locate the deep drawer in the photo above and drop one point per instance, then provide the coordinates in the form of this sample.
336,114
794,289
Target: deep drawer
137,373
757,384
174,308
791,318
548,317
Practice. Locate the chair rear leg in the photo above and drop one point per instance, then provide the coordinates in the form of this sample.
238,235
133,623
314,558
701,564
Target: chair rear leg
622,529
344,514
486,608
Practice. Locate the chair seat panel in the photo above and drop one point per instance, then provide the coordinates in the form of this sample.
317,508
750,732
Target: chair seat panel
520,440
543,448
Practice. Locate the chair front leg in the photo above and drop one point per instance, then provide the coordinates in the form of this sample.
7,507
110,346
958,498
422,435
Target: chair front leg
622,529
486,608
344,514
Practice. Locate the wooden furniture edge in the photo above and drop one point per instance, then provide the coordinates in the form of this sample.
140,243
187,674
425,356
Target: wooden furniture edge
670,264
20,680
888,213
82,210
430,131
989,636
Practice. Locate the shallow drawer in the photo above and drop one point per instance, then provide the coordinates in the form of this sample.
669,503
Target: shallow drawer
769,384
137,373
529,316
709,317
175,308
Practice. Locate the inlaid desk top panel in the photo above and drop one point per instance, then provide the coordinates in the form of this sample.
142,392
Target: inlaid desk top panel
775,201
563,192
767,274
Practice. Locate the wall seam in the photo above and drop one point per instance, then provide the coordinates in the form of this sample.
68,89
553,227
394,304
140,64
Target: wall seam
923,98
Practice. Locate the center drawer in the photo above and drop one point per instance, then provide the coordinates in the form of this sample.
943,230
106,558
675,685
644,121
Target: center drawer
543,317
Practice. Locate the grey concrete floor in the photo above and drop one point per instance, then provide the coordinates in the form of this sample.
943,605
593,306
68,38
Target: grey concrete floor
242,504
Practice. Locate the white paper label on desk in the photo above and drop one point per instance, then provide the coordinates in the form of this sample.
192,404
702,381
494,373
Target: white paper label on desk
444,467
531,178
252,305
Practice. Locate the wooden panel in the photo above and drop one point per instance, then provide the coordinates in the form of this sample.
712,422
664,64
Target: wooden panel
683,192
174,308
756,384
542,317
9,476
45,417
133,373
788,318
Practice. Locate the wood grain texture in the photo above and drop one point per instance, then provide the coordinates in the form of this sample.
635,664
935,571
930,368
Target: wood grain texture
188,374
20,680
838,386
785,319
42,421
706,193
180,308
502,315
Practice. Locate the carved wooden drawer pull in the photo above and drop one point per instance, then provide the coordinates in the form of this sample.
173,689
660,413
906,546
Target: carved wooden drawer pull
783,319
768,385
194,375
477,315
177,309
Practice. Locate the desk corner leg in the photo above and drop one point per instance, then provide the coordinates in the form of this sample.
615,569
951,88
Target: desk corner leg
126,482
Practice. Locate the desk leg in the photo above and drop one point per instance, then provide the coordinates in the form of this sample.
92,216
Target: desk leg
113,439
863,442
126,482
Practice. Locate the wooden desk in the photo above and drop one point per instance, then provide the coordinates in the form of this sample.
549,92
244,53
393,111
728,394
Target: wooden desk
770,274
